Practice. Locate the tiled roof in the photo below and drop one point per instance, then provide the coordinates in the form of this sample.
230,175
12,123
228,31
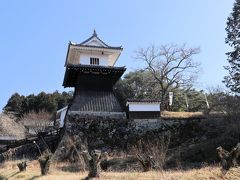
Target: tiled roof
95,35
92,76
95,67
108,47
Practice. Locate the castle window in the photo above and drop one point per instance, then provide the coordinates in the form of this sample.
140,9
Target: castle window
94,61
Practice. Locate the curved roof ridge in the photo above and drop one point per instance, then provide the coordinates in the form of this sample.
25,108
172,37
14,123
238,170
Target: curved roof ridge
94,35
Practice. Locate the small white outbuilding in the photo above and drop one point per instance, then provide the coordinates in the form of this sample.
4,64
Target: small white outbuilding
143,108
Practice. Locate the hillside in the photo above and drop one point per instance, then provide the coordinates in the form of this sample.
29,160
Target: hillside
9,127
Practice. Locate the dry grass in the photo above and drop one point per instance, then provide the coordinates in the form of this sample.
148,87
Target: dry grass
10,171
186,115
9,127
170,114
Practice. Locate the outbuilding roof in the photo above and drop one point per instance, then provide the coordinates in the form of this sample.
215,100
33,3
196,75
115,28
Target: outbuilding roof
144,100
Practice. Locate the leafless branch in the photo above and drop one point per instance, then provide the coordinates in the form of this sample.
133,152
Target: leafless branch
170,65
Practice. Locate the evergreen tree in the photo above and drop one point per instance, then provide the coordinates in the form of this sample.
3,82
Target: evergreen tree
14,104
232,81
49,102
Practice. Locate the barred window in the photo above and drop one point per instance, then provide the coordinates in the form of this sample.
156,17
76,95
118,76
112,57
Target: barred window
94,61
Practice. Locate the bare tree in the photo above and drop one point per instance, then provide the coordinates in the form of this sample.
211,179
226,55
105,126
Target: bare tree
229,159
45,162
153,154
93,162
171,66
37,121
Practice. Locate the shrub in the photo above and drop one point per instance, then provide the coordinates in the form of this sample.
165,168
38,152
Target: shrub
156,149
37,122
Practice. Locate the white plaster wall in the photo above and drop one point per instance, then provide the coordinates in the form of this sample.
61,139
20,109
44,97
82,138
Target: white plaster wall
93,43
103,59
62,116
144,107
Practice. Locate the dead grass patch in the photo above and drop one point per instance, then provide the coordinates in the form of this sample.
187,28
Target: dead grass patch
170,114
189,115
9,170
9,127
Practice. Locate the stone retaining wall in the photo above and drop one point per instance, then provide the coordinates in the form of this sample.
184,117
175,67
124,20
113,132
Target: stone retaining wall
192,140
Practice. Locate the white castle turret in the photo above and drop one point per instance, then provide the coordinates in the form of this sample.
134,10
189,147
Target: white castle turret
90,70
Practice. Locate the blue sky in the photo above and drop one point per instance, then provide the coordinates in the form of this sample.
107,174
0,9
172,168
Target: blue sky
34,36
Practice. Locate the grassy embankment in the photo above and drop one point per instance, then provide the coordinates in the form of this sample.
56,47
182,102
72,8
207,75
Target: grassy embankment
188,115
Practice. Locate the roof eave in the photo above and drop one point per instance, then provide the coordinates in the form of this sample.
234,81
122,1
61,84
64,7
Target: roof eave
117,57
98,47
143,100
69,44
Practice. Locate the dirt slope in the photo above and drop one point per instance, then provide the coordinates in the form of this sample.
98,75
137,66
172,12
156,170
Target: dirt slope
9,127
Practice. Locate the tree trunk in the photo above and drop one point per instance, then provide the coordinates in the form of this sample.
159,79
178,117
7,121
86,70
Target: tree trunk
44,162
93,162
229,159
146,162
22,166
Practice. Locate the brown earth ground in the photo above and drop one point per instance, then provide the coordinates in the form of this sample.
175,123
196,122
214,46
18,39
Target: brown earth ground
9,171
